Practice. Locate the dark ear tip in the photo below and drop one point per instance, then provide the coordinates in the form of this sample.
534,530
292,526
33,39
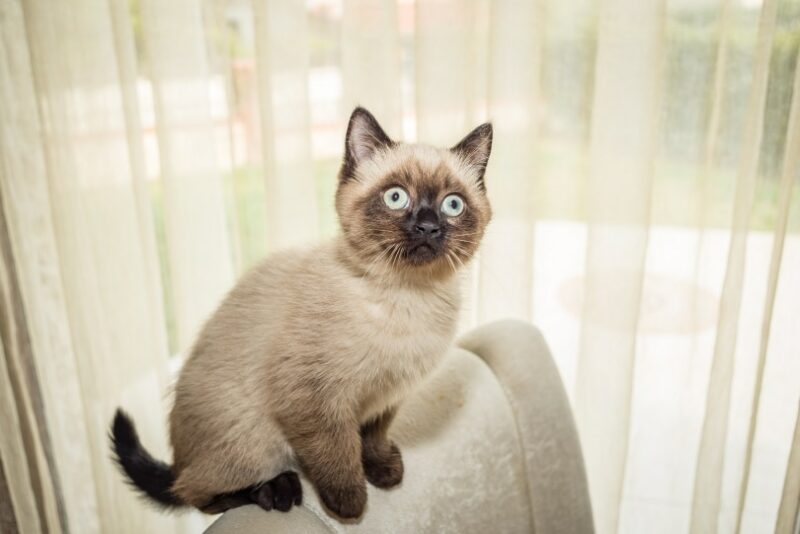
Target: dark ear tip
361,111
482,132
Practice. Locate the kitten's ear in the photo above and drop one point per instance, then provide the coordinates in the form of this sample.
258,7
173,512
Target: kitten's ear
364,137
475,149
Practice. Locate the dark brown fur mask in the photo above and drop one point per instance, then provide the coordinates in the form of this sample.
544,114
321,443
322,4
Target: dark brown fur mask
411,208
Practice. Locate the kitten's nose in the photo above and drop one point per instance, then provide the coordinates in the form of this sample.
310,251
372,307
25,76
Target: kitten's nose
427,228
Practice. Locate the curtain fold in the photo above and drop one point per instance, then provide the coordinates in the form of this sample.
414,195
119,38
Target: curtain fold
710,462
371,62
281,31
789,511
513,93
791,169
125,54
33,485
625,114
645,217
194,214
98,260
24,187
446,97
20,511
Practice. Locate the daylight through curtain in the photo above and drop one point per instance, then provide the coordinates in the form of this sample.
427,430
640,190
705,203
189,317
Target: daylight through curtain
643,181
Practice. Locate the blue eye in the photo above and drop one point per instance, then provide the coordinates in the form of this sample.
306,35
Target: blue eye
396,198
453,205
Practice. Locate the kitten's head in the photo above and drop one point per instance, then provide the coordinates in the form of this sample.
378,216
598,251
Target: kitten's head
412,208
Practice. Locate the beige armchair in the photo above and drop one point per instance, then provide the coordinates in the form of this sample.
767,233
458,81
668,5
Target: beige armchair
489,446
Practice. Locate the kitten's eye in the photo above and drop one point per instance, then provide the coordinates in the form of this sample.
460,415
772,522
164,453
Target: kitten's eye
453,205
396,198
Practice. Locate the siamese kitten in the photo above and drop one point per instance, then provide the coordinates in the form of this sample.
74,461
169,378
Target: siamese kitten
304,363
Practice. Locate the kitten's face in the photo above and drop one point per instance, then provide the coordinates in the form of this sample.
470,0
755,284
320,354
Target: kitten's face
412,207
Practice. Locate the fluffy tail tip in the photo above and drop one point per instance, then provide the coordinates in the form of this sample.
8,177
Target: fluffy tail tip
123,434
149,476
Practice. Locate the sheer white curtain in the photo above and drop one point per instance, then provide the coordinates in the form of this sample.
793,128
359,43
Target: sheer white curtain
646,218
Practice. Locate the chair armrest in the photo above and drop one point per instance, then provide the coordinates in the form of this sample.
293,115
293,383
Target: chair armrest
518,354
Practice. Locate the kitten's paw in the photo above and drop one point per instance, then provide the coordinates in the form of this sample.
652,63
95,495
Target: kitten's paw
280,493
385,469
348,502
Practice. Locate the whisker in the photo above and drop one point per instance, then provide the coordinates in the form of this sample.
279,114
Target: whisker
378,258
450,261
393,256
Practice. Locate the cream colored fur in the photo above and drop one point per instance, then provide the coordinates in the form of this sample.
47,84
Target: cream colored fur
343,330
299,312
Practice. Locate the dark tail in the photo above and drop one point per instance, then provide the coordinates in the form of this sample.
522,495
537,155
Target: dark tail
151,477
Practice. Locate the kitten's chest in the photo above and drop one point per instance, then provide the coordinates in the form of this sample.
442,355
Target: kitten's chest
411,332
401,315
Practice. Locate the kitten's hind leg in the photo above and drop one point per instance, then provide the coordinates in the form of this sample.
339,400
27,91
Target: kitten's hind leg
225,501
279,493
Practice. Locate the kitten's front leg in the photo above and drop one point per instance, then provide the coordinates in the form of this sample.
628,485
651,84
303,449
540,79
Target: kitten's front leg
330,452
383,464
